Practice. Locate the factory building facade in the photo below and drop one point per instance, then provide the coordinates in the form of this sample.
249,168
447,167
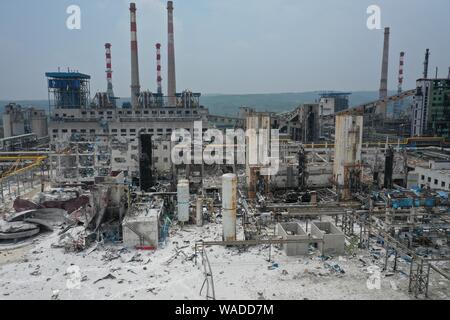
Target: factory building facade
431,108
435,177
332,102
302,124
123,128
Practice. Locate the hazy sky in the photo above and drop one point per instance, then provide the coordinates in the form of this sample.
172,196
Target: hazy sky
223,46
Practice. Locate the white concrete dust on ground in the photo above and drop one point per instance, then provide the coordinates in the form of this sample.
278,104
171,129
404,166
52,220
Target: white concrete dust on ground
43,273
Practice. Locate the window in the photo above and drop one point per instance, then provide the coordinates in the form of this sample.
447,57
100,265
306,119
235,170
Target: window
92,131
166,160
156,159
443,184
145,112
429,179
160,130
114,130
436,181
64,130
73,130
110,112
162,112
55,130
123,130
83,130
423,177
132,130
166,147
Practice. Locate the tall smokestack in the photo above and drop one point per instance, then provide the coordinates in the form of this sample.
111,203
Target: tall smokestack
425,64
109,89
158,68
385,65
135,86
398,103
171,77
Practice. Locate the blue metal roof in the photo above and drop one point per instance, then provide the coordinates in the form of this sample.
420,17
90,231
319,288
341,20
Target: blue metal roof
67,75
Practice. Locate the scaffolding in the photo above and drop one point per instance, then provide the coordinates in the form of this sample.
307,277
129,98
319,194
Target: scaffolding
68,90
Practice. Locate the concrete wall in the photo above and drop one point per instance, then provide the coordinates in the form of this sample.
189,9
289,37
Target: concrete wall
334,239
433,179
293,231
326,106
135,227
347,150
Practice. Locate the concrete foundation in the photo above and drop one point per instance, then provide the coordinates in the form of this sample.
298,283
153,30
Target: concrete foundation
293,231
333,238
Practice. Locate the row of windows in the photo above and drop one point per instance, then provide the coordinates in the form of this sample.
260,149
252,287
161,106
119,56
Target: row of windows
138,113
132,132
436,182
149,130
75,131
156,159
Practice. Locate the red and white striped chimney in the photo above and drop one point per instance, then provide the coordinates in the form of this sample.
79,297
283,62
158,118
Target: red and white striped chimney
400,72
158,68
398,104
171,77
135,86
109,89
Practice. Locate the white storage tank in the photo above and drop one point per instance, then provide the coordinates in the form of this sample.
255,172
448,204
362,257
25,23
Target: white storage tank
183,200
39,125
229,206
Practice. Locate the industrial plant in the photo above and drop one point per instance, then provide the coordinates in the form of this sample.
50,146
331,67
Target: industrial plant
102,198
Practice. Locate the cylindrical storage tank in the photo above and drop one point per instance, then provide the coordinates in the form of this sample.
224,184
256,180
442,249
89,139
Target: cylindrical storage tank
229,206
199,216
183,200
39,125
17,123
7,125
